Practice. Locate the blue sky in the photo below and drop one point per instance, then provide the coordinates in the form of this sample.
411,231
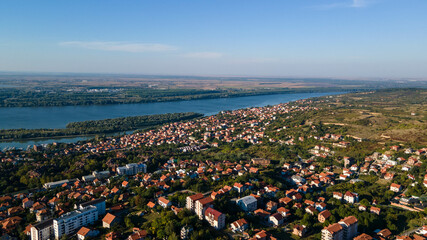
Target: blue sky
319,38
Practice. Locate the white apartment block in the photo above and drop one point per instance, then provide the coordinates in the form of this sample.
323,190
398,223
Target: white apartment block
42,230
98,203
132,169
71,222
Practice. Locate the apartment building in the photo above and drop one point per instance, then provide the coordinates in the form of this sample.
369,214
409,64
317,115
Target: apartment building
98,203
42,230
215,218
191,201
345,229
202,205
72,221
349,225
132,169
333,232
248,203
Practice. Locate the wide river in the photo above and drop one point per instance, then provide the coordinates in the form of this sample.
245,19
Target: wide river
58,117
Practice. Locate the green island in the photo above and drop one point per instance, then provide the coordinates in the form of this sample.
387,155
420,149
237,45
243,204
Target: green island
106,126
312,167
47,98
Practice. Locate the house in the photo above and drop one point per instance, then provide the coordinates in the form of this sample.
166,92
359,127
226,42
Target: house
403,238
109,220
323,215
138,235
395,187
389,176
215,218
320,206
284,212
375,210
310,209
260,161
297,197
285,200
385,233
262,213
337,195
85,232
240,188
299,230
362,208
363,236
112,236
276,219
27,203
239,225
164,202
151,204
351,197
271,206
263,235
247,204
309,202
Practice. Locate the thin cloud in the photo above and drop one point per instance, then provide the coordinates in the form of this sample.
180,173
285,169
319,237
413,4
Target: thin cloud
204,55
121,46
359,3
347,4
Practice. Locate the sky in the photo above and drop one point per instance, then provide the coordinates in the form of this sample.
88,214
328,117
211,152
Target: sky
289,38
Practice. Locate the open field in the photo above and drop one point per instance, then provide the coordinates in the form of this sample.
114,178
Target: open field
388,115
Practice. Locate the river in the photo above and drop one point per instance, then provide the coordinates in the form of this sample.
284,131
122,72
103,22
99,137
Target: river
58,117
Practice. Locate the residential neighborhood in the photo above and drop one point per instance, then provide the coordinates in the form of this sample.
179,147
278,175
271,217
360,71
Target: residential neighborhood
256,173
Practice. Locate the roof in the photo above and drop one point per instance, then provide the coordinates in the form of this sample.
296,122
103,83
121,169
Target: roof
282,209
109,218
247,200
206,200
215,213
325,213
384,233
363,236
44,224
239,223
350,220
299,227
163,200
277,216
93,202
83,231
333,228
196,197
138,235
375,209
